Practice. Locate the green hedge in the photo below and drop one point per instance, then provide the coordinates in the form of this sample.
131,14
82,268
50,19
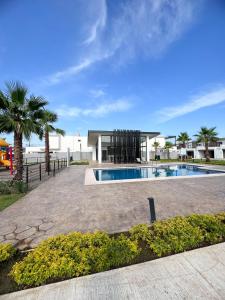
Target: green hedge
180,233
77,254
6,252
73,255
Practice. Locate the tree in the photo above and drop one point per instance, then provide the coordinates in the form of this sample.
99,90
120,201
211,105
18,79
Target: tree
156,145
167,147
183,138
206,136
21,116
47,125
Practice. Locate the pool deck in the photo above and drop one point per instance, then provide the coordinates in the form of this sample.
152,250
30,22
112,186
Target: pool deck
64,204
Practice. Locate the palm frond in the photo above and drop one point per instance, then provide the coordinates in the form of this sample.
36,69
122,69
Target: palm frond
36,103
17,92
60,131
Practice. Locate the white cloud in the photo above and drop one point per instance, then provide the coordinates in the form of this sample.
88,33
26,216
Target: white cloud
73,70
100,110
97,93
148,28
136,28
196,102
99,24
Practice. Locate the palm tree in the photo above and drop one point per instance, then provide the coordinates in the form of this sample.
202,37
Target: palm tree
20,115
47,125
168,146
156,145
206,136
183,138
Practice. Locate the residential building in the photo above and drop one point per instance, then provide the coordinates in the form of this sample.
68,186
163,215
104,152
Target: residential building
197,150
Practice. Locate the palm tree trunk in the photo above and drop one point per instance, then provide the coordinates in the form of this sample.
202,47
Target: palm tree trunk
168,154
207,155
18,155
47,154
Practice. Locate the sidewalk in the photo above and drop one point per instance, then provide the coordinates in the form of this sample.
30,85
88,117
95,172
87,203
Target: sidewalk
197,274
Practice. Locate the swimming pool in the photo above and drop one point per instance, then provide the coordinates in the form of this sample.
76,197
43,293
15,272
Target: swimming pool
151,172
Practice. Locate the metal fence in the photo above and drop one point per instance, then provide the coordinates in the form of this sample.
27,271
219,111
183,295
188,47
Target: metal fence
35,173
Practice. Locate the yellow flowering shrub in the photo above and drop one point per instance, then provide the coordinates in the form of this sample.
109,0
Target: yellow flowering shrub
173,236
6,251
180,233
212,226
73,255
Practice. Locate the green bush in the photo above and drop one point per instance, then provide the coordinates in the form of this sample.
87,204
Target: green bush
173,236
180,233
4,188
213,230
140,232
73,255
12,187
6,251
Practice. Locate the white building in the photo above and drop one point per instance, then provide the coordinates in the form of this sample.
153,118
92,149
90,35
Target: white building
197,150
75,143
100,146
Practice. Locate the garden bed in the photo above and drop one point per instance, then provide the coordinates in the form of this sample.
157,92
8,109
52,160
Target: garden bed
77,254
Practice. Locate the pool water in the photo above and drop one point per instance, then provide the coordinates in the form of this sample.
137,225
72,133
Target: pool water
151,172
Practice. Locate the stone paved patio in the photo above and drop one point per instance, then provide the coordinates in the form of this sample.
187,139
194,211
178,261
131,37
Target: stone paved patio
63,204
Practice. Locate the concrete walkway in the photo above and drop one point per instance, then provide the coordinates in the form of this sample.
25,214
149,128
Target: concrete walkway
197,274
64,204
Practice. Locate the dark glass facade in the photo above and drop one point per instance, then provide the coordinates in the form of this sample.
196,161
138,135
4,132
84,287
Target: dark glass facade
123,146
126,145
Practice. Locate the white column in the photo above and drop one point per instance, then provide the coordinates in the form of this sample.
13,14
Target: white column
148,148
99,149
68,157
94,153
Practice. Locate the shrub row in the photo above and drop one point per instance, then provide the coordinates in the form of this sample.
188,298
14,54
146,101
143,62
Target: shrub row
73,255
77,254
180,233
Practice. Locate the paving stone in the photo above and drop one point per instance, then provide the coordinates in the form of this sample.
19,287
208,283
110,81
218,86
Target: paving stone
10,236
46,226
21,228
26,234
6,228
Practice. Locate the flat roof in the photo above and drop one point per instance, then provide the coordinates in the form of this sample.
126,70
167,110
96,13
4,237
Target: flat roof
93,134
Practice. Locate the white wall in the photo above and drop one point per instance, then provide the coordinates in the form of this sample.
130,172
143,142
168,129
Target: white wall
35,149
160,139
75,143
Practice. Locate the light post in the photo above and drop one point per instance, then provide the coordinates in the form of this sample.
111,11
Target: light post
80,148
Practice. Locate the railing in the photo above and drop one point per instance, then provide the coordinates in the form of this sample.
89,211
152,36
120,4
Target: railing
36,172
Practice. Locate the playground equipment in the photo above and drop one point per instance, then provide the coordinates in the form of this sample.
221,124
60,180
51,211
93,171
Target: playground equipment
6,157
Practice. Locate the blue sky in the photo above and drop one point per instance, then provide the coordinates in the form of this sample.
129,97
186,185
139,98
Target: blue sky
154,65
